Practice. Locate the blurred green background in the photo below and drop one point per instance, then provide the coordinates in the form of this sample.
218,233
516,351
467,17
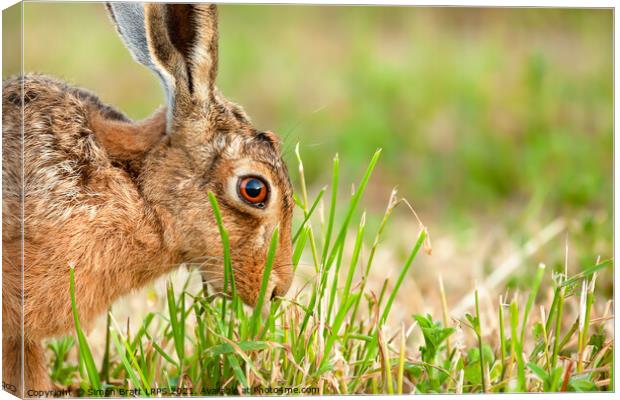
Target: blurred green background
487,117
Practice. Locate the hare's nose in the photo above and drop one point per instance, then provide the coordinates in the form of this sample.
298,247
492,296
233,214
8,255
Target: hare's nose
280,287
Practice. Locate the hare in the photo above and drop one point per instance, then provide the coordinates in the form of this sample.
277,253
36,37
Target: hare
125,202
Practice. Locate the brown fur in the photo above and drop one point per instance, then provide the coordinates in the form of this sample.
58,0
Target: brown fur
125,203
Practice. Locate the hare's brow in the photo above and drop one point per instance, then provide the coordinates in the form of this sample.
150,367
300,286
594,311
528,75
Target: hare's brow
273,166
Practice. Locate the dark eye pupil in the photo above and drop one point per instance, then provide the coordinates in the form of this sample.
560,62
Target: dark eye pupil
253,188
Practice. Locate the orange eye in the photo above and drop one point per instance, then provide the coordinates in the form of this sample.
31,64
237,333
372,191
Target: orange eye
253,191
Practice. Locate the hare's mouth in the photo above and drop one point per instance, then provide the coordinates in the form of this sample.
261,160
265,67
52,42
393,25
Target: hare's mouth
211,269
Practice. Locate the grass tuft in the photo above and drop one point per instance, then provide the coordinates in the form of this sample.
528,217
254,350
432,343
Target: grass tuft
337,335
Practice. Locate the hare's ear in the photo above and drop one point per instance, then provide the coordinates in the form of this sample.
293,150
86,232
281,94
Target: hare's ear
178,42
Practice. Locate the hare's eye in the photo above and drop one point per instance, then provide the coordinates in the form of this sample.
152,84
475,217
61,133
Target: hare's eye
253,191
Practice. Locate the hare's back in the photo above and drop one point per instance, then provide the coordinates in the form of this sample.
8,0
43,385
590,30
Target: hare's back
67,174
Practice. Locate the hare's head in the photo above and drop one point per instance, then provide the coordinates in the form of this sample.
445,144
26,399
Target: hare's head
210,146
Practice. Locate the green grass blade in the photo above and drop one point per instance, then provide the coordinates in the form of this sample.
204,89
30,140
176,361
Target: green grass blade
354,258
502,338
401,277
255,320
229,277
85,354
177,326
332,208
517,349
386,216
299,246
530,300
308,215
478,329
226,348
127,364
352,207
558,326
586,273
234,363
